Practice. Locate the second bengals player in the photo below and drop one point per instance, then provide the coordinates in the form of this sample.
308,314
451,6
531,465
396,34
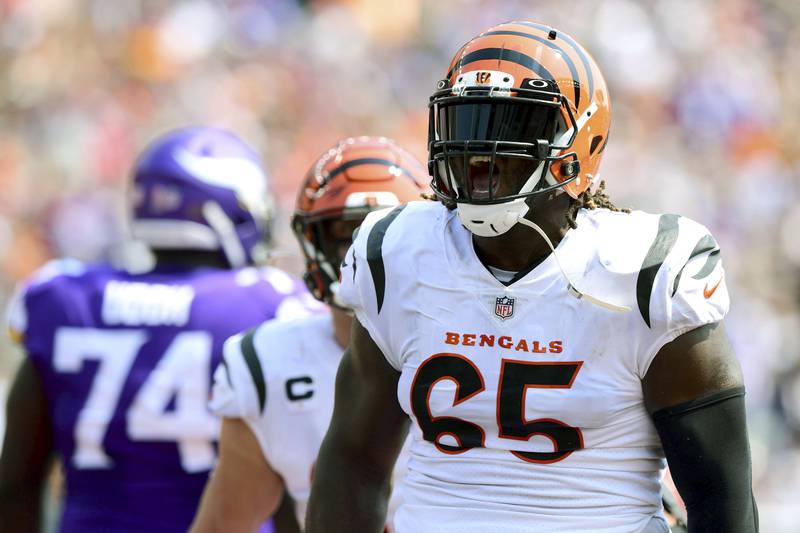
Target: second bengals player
276,383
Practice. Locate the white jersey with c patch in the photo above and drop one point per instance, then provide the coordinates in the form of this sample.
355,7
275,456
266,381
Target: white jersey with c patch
280,379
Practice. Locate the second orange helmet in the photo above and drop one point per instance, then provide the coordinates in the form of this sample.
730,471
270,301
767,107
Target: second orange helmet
352,178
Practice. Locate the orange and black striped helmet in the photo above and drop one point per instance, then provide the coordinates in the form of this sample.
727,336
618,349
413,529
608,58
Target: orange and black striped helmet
523,109
354,177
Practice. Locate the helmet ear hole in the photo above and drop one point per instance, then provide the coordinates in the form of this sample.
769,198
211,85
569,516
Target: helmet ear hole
596,140
239,219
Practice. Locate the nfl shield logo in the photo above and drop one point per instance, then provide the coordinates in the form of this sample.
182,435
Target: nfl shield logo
504,307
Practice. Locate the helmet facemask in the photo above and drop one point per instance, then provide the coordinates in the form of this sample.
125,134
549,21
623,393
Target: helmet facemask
491,148
325,240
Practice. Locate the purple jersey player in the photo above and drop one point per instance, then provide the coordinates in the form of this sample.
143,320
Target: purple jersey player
119,365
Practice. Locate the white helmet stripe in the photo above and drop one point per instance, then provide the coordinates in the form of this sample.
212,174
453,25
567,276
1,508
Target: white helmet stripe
239,174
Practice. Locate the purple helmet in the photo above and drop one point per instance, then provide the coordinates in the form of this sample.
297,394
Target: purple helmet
202,188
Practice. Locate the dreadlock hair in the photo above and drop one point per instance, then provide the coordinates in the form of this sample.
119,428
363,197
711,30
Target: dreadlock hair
591,200
449,204
587,200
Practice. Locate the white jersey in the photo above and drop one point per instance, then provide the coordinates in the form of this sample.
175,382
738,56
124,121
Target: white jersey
280,379
527,401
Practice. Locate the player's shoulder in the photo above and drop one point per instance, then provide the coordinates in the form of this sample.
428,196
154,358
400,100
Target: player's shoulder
386,252
265,290
264,277
288,294
55,293
274,343
263,354
400,227
57,273
56,282
631,242
671,262
278,336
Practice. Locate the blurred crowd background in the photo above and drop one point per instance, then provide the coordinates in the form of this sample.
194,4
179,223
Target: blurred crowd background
706,123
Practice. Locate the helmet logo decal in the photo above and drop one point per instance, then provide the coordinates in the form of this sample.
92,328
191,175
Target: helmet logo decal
483,78
494,78
504,307
241,175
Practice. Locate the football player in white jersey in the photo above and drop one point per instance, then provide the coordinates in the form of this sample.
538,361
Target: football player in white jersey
276,383
550,350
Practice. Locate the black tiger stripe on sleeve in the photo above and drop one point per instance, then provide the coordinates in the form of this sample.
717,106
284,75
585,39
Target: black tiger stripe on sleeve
705,244
254,366
663,243
710,264
375,252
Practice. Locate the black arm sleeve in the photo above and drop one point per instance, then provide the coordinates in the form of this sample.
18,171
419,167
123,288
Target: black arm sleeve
705,442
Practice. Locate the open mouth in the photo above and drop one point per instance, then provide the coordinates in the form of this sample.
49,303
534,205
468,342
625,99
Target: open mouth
484,177
484,180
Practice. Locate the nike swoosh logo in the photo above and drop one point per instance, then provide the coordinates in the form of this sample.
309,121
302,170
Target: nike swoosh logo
708,292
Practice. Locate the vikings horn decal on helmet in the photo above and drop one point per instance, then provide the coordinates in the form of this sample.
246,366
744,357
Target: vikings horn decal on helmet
523,110
356,176
202,188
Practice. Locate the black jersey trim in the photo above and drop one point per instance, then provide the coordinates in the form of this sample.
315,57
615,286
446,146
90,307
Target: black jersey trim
662,245
375,253
705,244
254,366
503,54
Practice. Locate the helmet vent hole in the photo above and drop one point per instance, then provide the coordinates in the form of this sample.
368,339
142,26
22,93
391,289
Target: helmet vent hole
596,140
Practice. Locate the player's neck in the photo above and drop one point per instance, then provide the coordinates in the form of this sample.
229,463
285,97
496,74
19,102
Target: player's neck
521,248
342,322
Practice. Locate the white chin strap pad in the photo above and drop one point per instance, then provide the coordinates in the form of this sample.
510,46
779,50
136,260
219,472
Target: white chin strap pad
491,220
